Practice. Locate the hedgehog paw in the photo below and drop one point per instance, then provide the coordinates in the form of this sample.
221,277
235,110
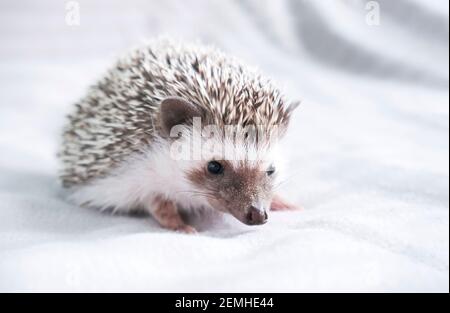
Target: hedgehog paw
279,204
166,214
186,229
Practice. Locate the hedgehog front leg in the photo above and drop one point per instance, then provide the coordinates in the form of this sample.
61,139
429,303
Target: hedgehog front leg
166,214
279,204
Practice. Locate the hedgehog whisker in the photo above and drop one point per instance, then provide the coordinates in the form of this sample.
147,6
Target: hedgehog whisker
286,180
198,193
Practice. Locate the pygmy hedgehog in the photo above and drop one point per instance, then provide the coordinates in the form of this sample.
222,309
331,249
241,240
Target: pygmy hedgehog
133,142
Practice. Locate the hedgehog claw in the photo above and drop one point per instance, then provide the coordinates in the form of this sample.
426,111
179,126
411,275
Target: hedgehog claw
186,229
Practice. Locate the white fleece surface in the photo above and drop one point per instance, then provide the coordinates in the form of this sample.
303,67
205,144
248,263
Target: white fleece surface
368,150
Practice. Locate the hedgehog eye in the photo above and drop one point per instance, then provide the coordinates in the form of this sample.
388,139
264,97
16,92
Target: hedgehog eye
215,168
270,171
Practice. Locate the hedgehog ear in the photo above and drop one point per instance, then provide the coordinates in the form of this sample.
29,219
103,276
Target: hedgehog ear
176,111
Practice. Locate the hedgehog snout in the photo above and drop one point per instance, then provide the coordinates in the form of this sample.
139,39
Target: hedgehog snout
256,216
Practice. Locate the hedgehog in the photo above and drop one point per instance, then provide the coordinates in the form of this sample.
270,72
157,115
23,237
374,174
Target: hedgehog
173,127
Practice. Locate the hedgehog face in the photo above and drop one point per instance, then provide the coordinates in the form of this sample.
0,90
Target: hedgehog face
241,188
233,173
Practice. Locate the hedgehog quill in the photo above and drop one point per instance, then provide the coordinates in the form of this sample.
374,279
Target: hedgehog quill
121,146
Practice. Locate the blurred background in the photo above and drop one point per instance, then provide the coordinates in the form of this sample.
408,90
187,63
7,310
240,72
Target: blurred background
370,141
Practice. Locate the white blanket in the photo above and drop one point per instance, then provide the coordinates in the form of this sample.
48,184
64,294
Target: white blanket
368,149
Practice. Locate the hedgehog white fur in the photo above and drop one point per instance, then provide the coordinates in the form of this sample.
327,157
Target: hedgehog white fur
116,150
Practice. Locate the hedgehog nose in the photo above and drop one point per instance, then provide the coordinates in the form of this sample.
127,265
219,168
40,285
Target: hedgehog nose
256,216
